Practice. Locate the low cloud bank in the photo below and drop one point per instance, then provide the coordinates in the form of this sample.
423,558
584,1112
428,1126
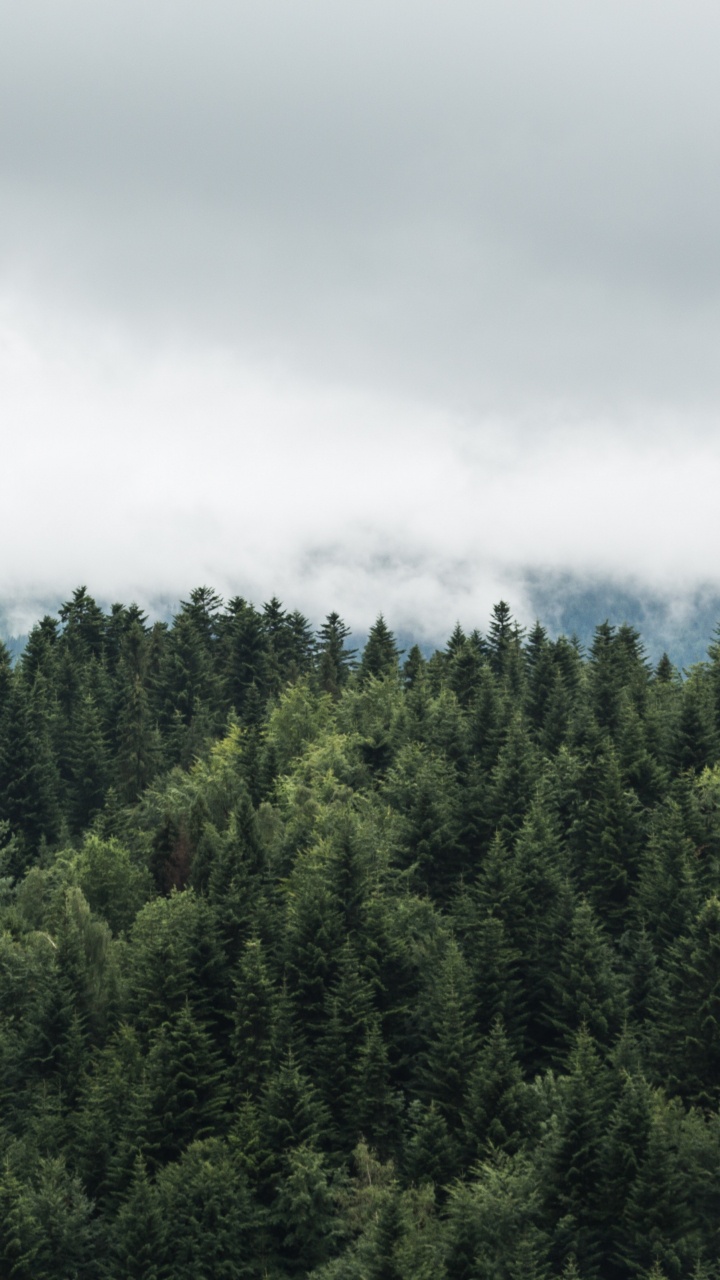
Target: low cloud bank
144,473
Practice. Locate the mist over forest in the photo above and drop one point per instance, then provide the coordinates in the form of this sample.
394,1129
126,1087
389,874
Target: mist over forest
681,624
355,923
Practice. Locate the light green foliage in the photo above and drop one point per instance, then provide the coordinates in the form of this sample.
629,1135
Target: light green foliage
174,955
46,1226
301,716
493,1225
115,886
310,969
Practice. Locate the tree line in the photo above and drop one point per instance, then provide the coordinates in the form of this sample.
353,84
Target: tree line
352,966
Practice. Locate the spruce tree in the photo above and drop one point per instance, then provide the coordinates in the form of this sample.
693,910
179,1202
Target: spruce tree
497,1107
380,655
187,1087
334,660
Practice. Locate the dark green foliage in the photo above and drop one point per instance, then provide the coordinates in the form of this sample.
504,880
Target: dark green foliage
586,989
574,1159
512,782
447,1017
423,789
504,642
431,1151
46,1226
694,1008
187,1088
243,646
667,896
697,743
136,1236
334,661
350,973
497,1104
380,655
252,1020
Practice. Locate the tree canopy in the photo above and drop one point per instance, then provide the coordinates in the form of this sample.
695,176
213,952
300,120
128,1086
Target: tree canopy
331,966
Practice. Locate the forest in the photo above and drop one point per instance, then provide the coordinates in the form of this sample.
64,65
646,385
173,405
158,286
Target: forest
356,965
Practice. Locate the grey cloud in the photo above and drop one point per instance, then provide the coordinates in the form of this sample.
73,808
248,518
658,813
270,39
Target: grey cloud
485,203
357,302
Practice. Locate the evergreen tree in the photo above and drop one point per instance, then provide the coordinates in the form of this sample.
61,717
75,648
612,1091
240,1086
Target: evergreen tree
504,641
586,990
335,661
414,668
136,1235
512,783
464,666
657,1220
206,1216
83,626
497,1108
187,1087
450,1042
696,743
430,1152
47,1228
380,655
253,1017
573,1174
693,1025
623,1151
606,838
667,898
423,789
243,647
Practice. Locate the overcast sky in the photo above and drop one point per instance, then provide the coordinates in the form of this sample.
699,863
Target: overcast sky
383,306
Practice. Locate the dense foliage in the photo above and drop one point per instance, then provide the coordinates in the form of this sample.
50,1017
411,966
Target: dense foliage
382,969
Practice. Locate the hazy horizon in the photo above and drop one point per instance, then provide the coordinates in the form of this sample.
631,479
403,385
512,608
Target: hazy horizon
406,309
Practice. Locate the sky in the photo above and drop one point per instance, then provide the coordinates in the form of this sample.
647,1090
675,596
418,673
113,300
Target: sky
399,307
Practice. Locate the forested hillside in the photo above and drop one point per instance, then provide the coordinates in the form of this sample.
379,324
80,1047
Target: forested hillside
356,966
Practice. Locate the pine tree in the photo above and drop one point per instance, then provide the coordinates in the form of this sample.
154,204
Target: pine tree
243,647
207,1219
373,1105
449,1036
187,1087
573,1174
504,641
349,1015
656,1226
87,765
696,742
606,838
497,1107
335,661
380,655
414,668
430,1152
512,783
667,898
559,708
463,671
422,787
253,1018
693,1023
623,1151
587,990
136,1232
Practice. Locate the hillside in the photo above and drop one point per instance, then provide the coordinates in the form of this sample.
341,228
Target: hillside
356,966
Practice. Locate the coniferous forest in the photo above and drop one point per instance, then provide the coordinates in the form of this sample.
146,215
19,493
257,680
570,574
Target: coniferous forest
356,966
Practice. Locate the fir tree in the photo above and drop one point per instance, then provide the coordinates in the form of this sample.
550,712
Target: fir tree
380,655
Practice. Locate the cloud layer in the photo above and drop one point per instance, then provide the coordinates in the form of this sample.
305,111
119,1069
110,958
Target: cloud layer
372,307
